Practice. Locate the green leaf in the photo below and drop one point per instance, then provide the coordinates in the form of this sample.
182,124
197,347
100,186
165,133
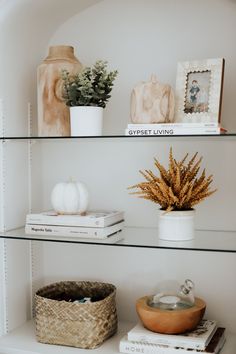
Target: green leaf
91,86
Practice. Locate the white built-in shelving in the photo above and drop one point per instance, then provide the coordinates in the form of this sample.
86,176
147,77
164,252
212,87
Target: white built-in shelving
138,38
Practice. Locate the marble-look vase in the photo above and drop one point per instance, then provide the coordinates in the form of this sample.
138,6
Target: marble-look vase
53,114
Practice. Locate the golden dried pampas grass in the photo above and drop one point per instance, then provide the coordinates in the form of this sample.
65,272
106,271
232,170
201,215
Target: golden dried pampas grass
176,188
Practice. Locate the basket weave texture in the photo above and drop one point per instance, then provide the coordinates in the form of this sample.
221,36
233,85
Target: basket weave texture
85,325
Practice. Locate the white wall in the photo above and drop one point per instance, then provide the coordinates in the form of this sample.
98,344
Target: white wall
26,26
141,37
18,284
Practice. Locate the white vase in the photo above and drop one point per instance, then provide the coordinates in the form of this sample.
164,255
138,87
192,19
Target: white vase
86,120
176,225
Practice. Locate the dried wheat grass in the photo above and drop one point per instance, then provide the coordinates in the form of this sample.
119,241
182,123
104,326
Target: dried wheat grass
178,187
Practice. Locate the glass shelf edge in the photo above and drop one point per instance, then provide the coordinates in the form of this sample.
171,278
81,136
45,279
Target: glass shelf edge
221,136
19,234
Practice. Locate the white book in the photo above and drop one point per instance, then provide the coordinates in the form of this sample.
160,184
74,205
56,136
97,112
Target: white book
114,238
175,131
91,219
73,231
214,347
173,125
196,339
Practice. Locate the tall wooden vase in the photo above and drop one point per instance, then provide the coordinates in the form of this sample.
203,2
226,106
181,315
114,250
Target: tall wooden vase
53,114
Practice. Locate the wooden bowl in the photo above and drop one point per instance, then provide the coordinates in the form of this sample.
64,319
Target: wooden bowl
167,321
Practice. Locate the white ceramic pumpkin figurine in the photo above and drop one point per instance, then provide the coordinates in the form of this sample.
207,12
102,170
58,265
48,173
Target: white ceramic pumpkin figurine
70,198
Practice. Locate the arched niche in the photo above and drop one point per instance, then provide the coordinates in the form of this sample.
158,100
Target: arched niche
26,28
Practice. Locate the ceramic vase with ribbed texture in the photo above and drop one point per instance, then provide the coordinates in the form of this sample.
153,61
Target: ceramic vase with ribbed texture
176,225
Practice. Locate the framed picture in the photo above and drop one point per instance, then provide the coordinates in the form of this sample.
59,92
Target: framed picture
199,87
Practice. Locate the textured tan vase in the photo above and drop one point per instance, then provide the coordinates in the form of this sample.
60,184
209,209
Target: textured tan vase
53,114
170,322
152,102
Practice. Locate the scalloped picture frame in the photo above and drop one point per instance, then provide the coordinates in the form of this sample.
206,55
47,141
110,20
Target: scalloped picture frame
199,90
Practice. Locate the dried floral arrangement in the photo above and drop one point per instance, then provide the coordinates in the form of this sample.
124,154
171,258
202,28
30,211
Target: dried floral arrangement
91,87
178,187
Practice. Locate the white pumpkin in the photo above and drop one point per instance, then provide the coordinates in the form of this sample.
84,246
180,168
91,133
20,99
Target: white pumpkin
70,198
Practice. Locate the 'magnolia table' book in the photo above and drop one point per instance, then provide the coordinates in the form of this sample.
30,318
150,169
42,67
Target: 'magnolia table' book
73,231
214,347
91,219
196,339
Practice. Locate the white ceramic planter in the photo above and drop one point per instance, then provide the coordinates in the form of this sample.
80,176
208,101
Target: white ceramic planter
176,225
86,121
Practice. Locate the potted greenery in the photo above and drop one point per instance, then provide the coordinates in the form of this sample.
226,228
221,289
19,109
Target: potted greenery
177,190
87,94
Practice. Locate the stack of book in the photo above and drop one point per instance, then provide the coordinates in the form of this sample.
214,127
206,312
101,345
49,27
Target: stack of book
95,225
174,129
206,338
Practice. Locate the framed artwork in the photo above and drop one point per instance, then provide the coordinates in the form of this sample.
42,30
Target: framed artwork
199,87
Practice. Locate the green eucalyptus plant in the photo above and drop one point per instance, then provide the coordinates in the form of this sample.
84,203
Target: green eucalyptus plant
90,87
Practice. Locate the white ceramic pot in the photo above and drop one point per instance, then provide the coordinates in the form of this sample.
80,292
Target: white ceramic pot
86,121
70,198
176,225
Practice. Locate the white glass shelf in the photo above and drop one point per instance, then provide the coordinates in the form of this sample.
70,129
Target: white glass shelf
121,136
23,341
205,240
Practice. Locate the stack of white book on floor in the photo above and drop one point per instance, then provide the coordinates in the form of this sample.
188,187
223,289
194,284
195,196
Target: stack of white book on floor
207,128
95,225
206,338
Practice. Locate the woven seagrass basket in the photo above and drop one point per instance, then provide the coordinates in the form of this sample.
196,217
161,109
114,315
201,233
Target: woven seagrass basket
85,325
